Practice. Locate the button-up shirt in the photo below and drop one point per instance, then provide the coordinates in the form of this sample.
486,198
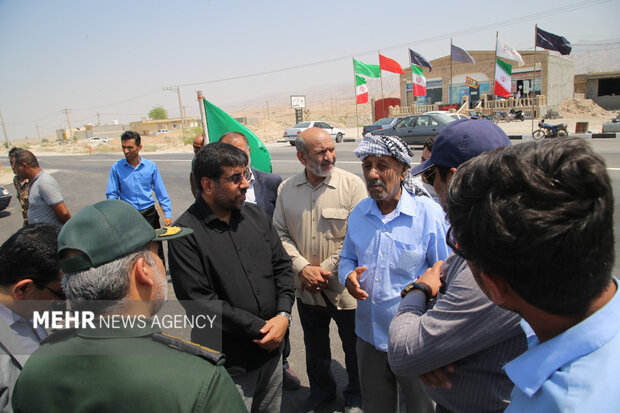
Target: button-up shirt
240,266
250,195
395,253
576,371
312,223
136,185
28,336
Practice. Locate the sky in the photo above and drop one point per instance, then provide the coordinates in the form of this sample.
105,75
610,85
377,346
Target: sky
113,58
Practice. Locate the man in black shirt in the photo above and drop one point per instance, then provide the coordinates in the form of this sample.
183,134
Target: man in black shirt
235,259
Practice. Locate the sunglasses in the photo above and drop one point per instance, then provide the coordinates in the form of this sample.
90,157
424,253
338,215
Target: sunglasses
429,175
60,294
236,178
453,243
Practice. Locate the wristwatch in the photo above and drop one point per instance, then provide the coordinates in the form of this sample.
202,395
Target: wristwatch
287,315
417,286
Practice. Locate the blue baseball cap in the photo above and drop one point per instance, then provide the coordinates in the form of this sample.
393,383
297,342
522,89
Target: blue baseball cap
462,140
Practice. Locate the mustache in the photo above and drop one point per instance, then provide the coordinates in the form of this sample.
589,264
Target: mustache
326,163
376,182
242,191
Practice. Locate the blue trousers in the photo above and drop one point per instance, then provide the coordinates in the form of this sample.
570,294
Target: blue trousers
315,321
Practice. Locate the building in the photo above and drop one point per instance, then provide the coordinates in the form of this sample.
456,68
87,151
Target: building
602,88
544,73
147,127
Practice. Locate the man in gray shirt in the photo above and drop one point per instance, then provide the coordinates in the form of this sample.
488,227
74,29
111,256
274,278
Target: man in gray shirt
45,199
446,330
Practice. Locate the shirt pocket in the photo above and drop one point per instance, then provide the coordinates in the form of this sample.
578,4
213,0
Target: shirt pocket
406,258
335,221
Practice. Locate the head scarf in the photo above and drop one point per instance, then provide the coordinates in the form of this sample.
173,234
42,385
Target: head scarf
384,145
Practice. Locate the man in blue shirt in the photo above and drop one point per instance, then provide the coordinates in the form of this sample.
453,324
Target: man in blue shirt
392,238
134,179
535,223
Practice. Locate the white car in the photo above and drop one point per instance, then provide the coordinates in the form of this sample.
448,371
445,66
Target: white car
103,139
163,131
291,134
456,116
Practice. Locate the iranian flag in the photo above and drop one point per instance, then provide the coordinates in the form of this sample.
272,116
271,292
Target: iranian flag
503,84
418,80
361,90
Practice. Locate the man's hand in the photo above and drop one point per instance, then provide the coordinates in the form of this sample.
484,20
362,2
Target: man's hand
274,330
168,221
313,278
438,377
431,277
353,284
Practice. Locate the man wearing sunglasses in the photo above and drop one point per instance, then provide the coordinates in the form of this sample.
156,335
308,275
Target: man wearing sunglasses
446,330
235,260
546,251
29,281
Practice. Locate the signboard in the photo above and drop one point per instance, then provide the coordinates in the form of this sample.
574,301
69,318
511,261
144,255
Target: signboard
298,102
299,115
448,107
471,82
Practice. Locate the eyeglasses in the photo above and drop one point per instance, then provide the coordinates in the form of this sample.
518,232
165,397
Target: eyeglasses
453,243
429,175
60,294
236,178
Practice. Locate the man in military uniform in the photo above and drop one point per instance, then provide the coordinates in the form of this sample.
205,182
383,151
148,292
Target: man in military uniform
109,253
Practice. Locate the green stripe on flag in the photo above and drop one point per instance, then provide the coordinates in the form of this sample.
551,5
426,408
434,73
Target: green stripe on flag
366,70
505,67
359,80
417,70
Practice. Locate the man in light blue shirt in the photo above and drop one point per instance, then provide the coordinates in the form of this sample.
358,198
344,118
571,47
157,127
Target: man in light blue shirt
535,223
134,179
392,238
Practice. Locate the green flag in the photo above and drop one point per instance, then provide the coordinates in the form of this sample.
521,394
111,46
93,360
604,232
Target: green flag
366,70
219,122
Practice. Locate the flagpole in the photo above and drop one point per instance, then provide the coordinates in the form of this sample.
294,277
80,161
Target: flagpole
535,38
357,121
381,80
203,116
450,89
495,67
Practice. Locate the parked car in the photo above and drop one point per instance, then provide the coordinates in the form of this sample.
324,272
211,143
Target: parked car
162,131
381,124
415,129
103,139
291,134
456,116
5,198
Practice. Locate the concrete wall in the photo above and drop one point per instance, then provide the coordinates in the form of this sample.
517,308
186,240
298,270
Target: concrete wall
607,102
559,81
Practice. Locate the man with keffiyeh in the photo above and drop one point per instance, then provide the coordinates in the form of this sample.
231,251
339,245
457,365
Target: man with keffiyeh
392,238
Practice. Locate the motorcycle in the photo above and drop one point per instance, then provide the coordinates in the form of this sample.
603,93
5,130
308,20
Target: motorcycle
515,115
549,131
478,115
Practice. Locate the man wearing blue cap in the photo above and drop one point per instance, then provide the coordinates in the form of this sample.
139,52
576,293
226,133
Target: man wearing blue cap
446,330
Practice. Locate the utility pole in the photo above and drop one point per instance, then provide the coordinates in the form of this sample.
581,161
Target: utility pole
267,109
38,134
178,90
68,121
6,137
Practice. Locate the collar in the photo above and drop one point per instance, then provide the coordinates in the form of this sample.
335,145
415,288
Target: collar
252,177
207,215
36,176
120,332
301,179
531,369
126,163
406,205
10,316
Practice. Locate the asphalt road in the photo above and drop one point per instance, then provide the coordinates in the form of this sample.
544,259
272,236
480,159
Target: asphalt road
83,182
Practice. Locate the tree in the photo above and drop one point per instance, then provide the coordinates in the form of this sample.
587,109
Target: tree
158,112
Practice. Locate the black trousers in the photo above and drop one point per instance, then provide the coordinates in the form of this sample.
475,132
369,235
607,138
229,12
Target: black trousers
152,217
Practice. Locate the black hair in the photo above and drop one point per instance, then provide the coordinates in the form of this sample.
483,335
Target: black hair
209,160
130,134
24,156
429,142
540,216
30,253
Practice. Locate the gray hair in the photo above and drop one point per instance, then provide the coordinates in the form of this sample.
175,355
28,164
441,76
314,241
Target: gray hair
300,144
107,283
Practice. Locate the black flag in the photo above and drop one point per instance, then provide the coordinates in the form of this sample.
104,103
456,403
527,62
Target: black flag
552,41
417,59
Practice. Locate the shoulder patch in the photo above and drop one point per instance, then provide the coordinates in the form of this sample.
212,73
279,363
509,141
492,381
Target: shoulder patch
185,346
59,335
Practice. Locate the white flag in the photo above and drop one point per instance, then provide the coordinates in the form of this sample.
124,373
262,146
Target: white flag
507,52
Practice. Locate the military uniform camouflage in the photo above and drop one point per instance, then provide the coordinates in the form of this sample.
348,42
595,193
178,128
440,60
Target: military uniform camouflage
22,189
124,370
